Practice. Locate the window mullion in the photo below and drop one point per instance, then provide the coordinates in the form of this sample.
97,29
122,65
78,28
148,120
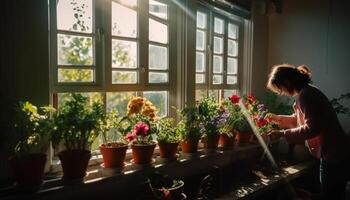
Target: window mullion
143,18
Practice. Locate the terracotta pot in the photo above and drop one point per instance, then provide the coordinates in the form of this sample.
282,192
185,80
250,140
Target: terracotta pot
189,146
142,154
225,141
168,150
74,163
211,142
113,154
244,138
28,171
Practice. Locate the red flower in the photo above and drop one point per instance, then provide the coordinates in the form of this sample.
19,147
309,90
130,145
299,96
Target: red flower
251,98
141,129
261,122
234,99
130,137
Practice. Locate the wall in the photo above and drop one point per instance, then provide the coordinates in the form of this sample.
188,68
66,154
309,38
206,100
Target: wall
315,33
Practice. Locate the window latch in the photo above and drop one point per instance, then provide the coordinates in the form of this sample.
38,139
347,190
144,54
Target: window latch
100,33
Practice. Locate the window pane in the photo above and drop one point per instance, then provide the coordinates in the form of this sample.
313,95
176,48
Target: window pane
158,57
232,48
201,94
200,62
119,101
218,25
217,79
215,94
232,31
74,15
92,96
130,3
74,50
75,75
228,93
201,20
124,21
200,78
160,100
158,9
217,65
158,32
231,79
124,77
218,45
231,65
200,43
155,77
124,54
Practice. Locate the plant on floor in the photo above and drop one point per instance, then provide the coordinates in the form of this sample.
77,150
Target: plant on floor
164,187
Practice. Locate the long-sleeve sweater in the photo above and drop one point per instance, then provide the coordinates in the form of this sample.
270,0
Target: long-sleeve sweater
316,121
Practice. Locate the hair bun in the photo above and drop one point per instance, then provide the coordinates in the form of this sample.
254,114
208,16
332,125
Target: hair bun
303,69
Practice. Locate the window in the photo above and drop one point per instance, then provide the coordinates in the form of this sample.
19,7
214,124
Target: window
217,53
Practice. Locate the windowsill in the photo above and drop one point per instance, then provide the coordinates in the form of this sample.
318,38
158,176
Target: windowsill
187,165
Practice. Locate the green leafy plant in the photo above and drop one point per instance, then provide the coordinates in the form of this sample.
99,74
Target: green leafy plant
77,123
278,105
161,184
338,106
166,131
31,128
187,128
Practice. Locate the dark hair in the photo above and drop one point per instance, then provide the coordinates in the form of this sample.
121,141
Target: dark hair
290,77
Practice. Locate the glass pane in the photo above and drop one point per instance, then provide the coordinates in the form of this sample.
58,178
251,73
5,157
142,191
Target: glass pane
159,100
218,45
232,31
231,65
217,64
158,9
232,48
215,94
130,3
217,79
200,78
74,15
93,97
158,32
158,57
200,43
201,94
75,75
119,101
74,50
156,77
218,25
228,93
124,21
124,77
231,79
201,20
200,62
124,54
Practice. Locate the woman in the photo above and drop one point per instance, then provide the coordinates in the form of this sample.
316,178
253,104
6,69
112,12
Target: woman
315,122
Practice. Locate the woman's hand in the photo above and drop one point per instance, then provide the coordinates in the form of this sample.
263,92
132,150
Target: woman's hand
274,118
275,134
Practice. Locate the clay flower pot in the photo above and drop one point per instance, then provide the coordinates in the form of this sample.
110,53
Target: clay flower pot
74,163
211,142
244,138
189,146
225,141
142,153
28,171
168,150
113,154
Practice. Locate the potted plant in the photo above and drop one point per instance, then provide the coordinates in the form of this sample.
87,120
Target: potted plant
227,131
188,129
211,120
165,188
28,161
142,126
77,124
168,138
114,146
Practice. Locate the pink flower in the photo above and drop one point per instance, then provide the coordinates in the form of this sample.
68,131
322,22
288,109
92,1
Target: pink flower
130,137
234,99
141,129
